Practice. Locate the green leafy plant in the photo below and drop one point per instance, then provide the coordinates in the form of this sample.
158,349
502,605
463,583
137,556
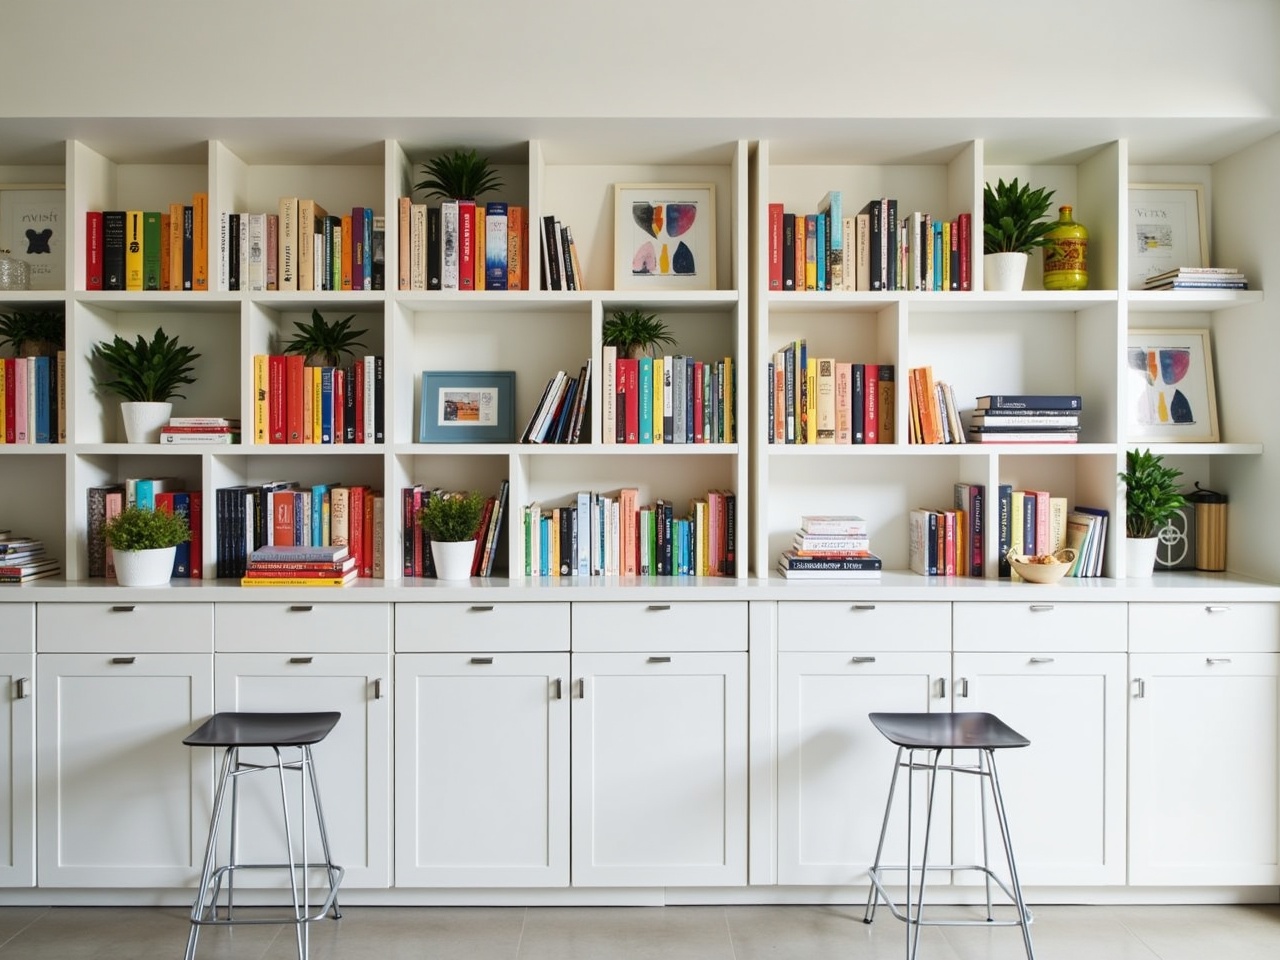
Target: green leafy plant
459,175
138,528
145,371
325,342
452,517
1151,493
636,333
33,333
1013,217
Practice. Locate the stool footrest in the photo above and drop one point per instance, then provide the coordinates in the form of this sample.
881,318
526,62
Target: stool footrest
875,874
206,914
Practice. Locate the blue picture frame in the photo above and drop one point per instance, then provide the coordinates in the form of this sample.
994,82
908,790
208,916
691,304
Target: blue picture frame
467,406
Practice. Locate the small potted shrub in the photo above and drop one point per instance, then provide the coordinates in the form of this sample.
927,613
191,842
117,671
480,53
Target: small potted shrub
323,343
459,175
143,543
452,521
33,333
636,334
145,375
1013,225
1151,499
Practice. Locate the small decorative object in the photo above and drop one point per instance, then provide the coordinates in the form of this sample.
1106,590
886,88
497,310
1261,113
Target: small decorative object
145,376
1211,528
323,343
1044,567
452,521
664,236
467,407
1166,229
1170,395
636,334
143,543
1012,223
32,222
1066,255
459,175
14,273
33,333
1151,499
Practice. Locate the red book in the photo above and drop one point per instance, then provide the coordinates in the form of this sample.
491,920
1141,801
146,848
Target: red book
355,525
871,403
276,399
965,223
93,250
272,568
282,517
195,517
775,246
466,244
366,535
295,390
481,536
629,388
696,387
358,386
412,566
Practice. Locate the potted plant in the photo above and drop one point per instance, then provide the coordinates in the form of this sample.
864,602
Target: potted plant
37,332
143,543
636,334
1151,499
452,521
459,175
1013,225
324,343
146,376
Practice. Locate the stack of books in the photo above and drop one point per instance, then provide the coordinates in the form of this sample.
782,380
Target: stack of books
1198,278
23,559
200,430
1026,418
293,566
830,547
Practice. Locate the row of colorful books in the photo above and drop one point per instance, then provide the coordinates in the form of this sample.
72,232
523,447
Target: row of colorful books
154,493
302,247
561,266
417,559
462,245
615,535
290,513
294,403
824,400
1026,418
33,407
563,410
934,414
1037,522
668,399
23,559
876,249
830,547
951,541
149,249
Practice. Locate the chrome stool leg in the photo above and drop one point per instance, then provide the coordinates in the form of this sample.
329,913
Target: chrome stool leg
1024,920
874,872
206,873
330,870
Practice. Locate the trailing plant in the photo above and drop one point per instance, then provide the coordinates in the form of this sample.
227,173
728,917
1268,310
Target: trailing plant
139,528
33,333
1012,217
459,175
324,341
1151,493
145,371
452,517
636,333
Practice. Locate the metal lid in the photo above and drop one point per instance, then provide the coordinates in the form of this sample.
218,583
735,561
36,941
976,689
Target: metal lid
1206,496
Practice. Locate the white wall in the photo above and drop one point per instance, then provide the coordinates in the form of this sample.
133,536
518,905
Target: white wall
656,58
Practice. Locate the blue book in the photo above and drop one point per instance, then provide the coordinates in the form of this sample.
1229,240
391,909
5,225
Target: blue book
646,399
319,495
326,405
820,251
368,248
41,371
301,521
495,246
182,554
145,493
833,206
937,255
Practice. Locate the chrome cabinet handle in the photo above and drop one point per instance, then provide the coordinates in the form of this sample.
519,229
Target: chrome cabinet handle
863,606
1212,660
1141,690
863,660
942,688
377,688
124,608
582,688
659,660
22,691
963,687
559,688
480,608
1216,608
1043,659
658,607
1040,607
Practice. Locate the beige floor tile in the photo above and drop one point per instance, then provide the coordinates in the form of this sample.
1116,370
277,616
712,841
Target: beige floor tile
626,933
13,920
1058,933
1206,932
411,933
826,931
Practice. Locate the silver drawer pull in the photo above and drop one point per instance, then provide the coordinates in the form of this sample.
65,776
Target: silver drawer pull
963,687
1216,608
659,659
658,607
22,691
124,608
480,608
942,688
301,659
124,660
863,660
1141,690
482,660
1042,659
1040,607
559,688
301,608
863,606
377,688
1212,660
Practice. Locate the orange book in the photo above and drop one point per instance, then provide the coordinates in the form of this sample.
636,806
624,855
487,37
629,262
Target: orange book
282,510
367,539
515,248
348,245
200,244
311,218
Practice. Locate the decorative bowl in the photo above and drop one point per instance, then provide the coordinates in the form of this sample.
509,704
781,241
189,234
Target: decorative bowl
1045,568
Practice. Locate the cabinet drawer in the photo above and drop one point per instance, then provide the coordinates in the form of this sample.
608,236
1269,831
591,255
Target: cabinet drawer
298,627
482,626
143,627
1014,626
17,627
842,625
1198,627
686,625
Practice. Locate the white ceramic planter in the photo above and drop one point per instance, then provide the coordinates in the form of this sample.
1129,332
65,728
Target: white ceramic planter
453,560
142,421
144,568
1004,271
1139,556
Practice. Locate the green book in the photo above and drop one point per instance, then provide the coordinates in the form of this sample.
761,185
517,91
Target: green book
151,250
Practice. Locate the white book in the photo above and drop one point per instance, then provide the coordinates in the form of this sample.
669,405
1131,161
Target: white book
608,406
257,251
584,526
224,268
678,387
449,245
244,251
287,245
558,385
369,389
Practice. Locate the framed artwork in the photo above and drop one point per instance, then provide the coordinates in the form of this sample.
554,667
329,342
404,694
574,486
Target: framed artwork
33,229
664,236
1166,229
1169,380
467,406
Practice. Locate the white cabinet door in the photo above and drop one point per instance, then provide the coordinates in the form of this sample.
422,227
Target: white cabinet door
18,759
659,769
834,767
121,801
353,763
1204,761
1065,793
482,769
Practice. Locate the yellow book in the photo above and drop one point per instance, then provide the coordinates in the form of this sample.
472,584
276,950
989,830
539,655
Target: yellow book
175,246
553,548
1017,517
348,246
200,241
317,404
478,234
260,401
946,268
297,581
728,425
133,250
659,395
811,400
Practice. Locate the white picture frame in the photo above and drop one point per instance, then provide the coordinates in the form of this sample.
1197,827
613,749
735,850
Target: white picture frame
1166,229
672,248
33,220
1170,396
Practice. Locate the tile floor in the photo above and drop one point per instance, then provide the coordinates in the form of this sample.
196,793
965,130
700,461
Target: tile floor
641,933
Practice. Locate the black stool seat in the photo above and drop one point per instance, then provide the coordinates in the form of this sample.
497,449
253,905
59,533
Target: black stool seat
947,731
263,729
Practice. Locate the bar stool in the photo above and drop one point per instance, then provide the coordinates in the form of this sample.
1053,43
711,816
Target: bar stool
933,733
276,732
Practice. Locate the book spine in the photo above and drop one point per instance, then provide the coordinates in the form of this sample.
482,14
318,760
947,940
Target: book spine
496,247
287,245
174,270
151,243
93,250
133,250
413,255
466,245
200,241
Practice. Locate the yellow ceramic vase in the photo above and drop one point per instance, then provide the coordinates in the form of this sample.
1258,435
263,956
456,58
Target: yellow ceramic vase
1065,263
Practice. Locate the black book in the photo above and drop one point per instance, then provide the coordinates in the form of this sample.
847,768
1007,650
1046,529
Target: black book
891,235
433,248
788,251
874,233
550,262
858,402
113,250
188,247
349,405
379,401
233,251
378,249
570,279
